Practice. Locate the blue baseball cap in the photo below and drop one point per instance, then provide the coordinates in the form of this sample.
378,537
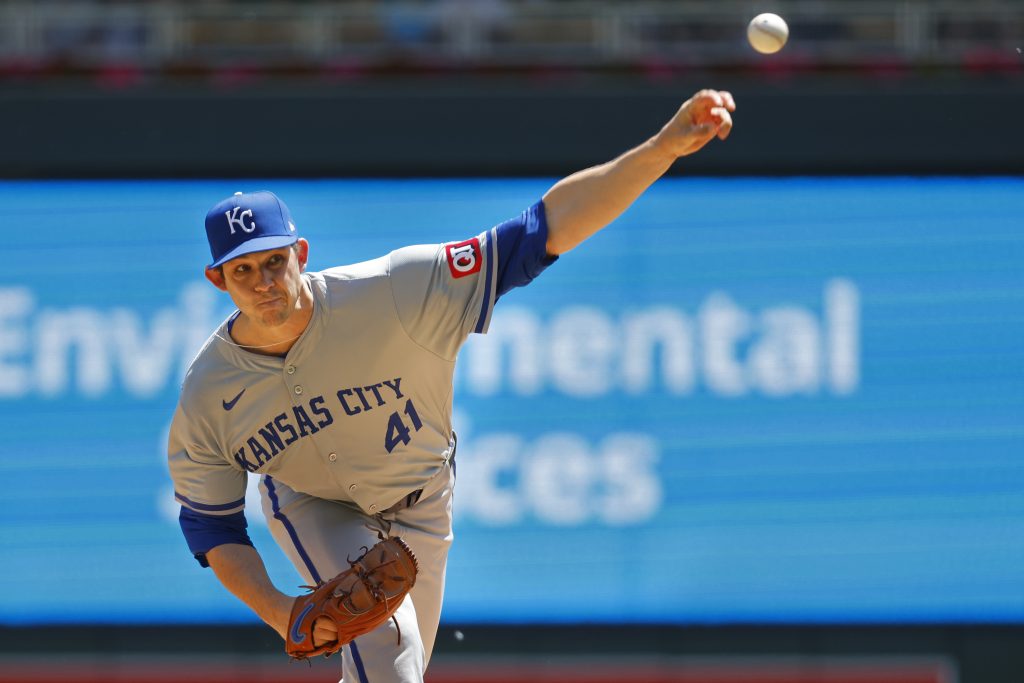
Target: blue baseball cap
248,222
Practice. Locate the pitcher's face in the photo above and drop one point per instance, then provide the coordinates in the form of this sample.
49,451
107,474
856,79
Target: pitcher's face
265,285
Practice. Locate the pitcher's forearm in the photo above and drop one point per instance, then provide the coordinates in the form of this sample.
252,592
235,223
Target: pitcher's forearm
240,568
583,203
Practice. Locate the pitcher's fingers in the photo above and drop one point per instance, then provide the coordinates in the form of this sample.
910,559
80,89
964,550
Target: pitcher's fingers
722,120
730,103
324,631
708,98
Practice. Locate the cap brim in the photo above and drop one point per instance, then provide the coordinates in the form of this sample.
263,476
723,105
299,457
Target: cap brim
256,244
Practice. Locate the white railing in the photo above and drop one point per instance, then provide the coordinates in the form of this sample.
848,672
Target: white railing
513,33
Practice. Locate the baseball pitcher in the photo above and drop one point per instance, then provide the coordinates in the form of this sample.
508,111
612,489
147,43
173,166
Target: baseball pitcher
336,388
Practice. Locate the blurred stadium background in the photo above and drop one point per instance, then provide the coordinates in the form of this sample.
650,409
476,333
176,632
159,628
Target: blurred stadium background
768,428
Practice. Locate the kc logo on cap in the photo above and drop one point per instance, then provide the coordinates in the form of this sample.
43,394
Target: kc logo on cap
237,217
244,223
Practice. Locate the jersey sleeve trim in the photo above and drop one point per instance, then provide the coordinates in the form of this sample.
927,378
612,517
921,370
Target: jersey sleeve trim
522,252
235,506
487,304
203,533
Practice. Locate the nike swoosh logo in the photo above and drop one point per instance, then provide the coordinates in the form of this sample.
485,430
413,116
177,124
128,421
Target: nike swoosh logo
297,635
228,405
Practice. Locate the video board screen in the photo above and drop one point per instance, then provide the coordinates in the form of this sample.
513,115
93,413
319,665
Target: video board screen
748,400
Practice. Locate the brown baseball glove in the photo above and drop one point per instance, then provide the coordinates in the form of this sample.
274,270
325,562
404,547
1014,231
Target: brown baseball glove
358,600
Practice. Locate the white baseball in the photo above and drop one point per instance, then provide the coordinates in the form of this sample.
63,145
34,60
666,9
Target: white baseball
767,33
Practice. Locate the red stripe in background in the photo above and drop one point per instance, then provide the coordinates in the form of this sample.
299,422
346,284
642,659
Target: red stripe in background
497,670
701,670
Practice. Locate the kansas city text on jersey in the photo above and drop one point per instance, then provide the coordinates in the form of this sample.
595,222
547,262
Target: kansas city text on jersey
286,428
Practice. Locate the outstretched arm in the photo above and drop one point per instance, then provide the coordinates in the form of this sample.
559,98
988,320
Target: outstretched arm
583,203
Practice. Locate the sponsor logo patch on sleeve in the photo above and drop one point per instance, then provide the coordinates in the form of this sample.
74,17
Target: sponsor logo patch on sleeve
464,257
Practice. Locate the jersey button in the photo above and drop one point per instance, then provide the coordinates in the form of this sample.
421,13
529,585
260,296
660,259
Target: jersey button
372,508
298,390
332,457
290,369
353,487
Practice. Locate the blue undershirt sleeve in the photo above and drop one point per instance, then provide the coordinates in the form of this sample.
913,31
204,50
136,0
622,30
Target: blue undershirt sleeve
522,248
205,532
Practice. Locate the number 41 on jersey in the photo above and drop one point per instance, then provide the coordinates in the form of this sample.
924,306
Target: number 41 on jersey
398,432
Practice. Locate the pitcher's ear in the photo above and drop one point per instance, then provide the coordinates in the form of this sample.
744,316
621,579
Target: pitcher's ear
216,276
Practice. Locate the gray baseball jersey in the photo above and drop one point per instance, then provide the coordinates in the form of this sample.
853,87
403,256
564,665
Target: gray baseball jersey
360,408
351,429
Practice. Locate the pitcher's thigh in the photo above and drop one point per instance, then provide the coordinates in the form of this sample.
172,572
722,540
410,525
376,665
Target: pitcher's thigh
319,536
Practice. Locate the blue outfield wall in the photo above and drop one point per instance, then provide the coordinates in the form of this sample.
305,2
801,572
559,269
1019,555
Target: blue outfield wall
749,400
